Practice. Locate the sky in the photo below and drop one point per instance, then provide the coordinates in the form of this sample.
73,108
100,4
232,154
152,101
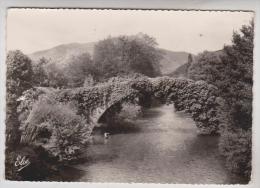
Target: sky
32,30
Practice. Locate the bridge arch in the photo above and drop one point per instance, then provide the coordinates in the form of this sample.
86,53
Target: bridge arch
199,99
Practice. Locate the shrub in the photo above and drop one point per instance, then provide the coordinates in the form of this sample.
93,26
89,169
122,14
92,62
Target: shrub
236,147
41,167
57,128
18,79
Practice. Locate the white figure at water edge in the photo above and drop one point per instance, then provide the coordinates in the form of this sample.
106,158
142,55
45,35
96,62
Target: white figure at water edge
106,135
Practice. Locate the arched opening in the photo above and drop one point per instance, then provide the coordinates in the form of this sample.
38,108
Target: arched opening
166,139
203,109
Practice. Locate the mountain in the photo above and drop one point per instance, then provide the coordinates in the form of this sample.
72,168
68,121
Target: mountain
61,54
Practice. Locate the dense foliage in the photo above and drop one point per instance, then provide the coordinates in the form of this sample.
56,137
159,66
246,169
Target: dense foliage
59,129
18,79
127,54
47,74
236,146
231,70
207,66
40,77
80,70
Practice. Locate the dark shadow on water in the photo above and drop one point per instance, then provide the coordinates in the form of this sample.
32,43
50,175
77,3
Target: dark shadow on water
117,128
151,113
73,174
206,147
202,145
70,174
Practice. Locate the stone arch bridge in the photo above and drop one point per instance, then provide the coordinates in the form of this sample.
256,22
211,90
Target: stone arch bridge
199,99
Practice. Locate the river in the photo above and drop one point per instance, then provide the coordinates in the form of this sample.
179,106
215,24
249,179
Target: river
163,147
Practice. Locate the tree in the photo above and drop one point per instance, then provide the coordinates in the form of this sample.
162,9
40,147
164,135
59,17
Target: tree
231,70
207,66
56,76
40,77
78,69
18,79
127,54
238,60
237,89
190,59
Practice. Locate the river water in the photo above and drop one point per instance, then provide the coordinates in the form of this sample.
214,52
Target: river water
162,147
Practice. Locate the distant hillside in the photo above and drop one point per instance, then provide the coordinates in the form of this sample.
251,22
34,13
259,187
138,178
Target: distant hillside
182,70
60,54
172,60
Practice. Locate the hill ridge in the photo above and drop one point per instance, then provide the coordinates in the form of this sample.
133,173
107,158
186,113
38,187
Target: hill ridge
60,54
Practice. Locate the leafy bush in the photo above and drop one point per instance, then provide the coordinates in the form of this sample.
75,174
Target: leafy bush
236,147
57,128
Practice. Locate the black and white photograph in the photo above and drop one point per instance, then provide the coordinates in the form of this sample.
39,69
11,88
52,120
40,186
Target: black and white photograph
129,96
